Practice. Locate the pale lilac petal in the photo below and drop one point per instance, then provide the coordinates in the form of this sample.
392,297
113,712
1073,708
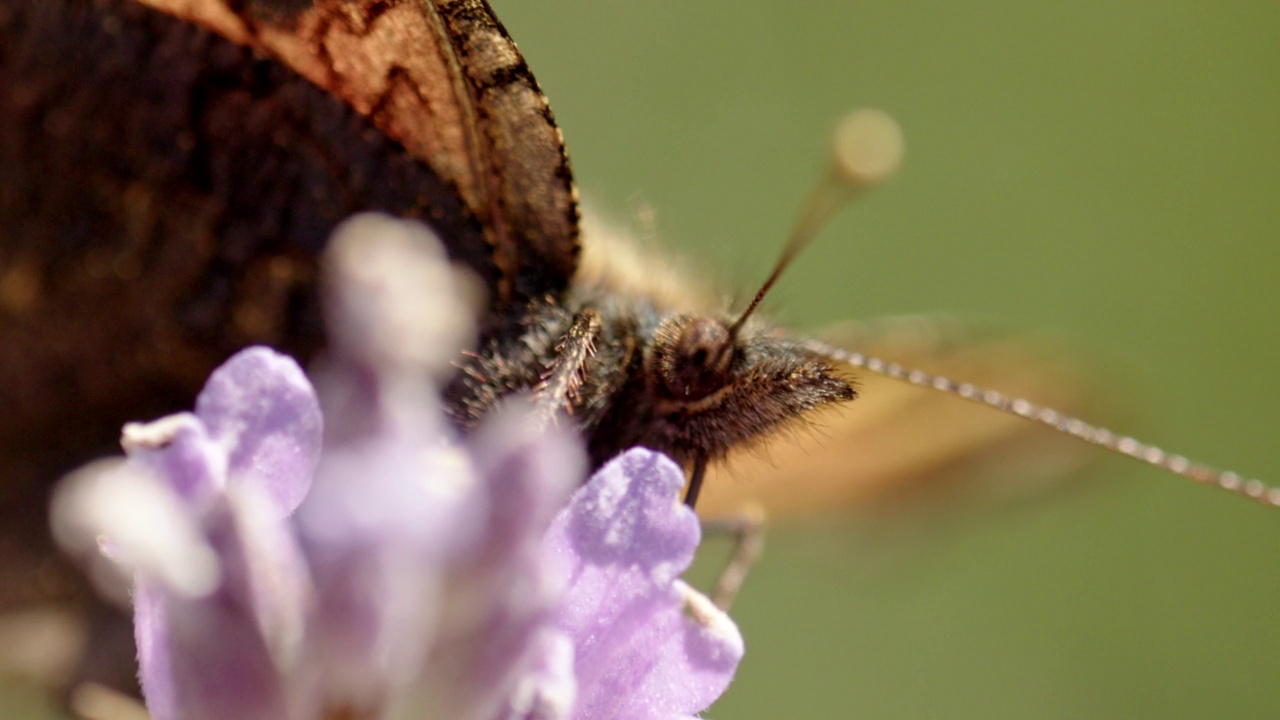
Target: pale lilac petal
401,490
685,659
421,576
397,314
267,572
125,521
222,654
548,690
624,540
377,528
203,660
178,449
373,624
155,661
261,408
226,477
394,501
386,512
393,301
500,592
530,473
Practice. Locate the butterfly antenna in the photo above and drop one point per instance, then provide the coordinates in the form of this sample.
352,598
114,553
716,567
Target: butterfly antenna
867,150
1255,490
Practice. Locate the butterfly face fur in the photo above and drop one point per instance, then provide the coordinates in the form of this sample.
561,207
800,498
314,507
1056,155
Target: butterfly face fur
661,374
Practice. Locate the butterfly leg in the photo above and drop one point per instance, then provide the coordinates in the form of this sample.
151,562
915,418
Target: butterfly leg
747,532
555,393
695,481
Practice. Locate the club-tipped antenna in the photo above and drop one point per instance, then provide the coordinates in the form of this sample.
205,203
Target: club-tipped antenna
1232,482
867,148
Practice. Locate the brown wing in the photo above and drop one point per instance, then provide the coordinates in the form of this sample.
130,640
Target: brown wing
445,80
164,189
897,444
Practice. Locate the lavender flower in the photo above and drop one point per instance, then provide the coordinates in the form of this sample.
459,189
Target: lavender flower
375,566
624,542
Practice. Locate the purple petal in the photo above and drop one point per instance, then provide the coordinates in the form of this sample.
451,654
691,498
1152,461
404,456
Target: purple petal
227,653
548,689
374,529
630,515
373,624
378,527
682,665
392,300
501,593
266,572
241,464
530,474
179,450
625,539
201,660
127,521
262,409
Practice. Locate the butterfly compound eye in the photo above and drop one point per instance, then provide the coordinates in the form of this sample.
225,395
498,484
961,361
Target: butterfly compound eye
693,356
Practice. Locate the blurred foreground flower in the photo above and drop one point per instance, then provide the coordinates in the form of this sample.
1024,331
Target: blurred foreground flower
373,566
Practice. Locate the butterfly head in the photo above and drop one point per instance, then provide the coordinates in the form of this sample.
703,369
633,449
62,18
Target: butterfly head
692,358
703,388
705,383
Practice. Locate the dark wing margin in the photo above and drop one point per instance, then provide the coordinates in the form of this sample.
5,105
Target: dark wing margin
534,202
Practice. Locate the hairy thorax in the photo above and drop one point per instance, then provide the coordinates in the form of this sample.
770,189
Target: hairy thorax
690,384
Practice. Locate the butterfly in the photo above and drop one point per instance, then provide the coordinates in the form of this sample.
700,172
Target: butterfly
174,174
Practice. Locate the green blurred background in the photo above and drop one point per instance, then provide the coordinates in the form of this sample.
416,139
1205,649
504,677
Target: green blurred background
1103,170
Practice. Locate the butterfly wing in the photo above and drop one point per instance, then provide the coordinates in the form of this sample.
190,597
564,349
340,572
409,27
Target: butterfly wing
171,169
167,187
898,445
443,79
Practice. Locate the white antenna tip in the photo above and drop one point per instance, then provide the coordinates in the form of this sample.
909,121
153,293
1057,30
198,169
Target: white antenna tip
868,148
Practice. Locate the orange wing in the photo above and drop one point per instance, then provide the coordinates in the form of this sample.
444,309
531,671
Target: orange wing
899,444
